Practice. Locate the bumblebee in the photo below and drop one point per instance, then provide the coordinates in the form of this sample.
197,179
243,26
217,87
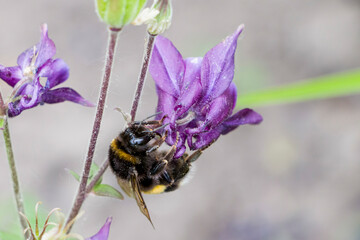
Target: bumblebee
141,168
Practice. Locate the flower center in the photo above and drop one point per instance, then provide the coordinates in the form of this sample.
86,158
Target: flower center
29,72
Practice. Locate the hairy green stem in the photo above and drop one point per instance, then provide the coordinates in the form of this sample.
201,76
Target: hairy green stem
14,175
81,194
2,106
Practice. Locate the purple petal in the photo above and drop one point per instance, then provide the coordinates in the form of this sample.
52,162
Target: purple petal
46,48
11,75
203,139
180,146
244,116
56,71
180,151
217,111
217,70
13,110
64,94
172,135
29,99
167,66
103,233
192,71
171,138
191,89
30,95
43,51
166,103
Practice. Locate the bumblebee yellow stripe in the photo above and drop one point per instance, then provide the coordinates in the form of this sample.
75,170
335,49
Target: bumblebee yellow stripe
123,155
156,190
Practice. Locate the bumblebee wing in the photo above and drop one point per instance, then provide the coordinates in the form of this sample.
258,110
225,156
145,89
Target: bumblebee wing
139,198
125,186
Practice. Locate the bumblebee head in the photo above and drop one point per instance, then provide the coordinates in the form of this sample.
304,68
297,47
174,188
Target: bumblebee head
136,139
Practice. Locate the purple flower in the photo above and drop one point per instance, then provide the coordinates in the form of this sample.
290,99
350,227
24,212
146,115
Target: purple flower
33,64
103,233
197,95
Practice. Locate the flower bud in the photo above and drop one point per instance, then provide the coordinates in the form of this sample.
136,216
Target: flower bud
158,17
118,13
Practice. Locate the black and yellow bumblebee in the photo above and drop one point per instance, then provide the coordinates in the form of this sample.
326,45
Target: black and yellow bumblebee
141,168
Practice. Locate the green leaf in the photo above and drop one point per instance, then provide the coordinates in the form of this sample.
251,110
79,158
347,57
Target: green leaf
75,175
93,170
107,191
335,85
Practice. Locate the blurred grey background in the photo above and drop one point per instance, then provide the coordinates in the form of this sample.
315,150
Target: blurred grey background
295,176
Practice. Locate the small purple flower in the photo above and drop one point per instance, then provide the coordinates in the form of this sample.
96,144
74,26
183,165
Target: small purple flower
33,64
197,95
103,233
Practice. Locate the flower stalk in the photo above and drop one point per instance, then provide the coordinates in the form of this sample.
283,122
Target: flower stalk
81,194
14,175
142,76
2,107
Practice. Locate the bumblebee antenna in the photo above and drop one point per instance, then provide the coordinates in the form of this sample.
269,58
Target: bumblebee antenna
126,116
155,114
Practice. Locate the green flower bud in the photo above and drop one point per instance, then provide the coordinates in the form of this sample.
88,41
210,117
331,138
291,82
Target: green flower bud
163,19
118,13
158,17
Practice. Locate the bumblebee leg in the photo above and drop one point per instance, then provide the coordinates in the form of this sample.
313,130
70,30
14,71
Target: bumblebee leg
153,148
205,147
167,178
170,154
150,122
158,167
156,122
156,144
157,128
194,156
153,123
